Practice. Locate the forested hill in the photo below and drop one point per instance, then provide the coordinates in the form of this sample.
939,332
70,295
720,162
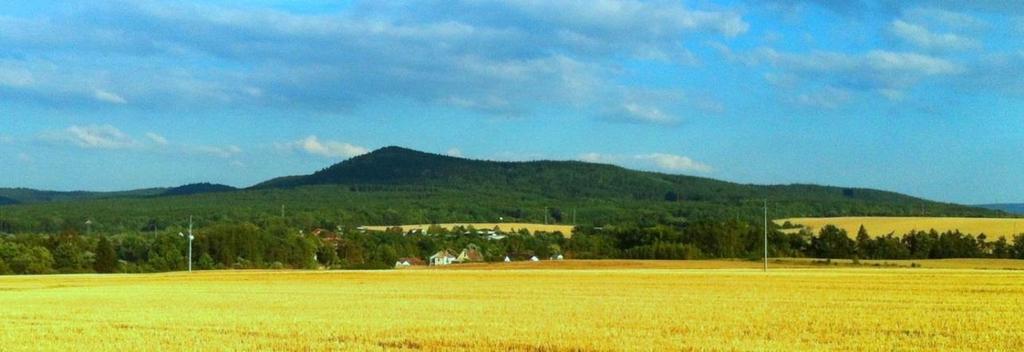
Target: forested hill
396,166
197,188
395,185
28,196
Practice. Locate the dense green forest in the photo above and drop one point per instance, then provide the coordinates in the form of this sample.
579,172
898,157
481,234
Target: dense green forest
275,245
393,185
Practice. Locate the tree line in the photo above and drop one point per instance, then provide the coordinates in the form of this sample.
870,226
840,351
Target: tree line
275,244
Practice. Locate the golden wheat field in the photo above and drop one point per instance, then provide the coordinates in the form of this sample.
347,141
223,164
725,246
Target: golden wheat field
504,227
785,263
603,309
880,226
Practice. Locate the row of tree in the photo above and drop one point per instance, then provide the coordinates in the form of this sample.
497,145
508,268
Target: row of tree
278,245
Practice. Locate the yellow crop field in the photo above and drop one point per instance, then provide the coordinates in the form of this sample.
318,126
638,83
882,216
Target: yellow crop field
773,263
604,309
504,227
880,226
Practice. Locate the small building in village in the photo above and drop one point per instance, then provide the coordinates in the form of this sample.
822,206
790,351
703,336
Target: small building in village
470,254
407,262
443,257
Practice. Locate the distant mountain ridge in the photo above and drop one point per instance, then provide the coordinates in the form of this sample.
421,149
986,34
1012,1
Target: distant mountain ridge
7,201
197,188
28,196
1012,208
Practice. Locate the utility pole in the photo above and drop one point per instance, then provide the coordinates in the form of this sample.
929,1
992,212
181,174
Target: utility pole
282,211
190,238
766,235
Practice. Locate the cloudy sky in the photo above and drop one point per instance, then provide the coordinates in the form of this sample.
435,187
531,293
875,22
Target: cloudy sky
921,97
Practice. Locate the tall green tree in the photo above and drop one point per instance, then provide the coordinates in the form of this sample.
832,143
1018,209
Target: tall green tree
833,242
865,246
106,257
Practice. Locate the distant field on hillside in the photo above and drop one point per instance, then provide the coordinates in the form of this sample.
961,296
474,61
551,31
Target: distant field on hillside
808,309
880,226
773,263
504,227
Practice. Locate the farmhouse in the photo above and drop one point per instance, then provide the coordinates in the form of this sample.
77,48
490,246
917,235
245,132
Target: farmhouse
443,257
470,254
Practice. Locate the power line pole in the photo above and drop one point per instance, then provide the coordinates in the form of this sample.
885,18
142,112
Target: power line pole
190,238
766,235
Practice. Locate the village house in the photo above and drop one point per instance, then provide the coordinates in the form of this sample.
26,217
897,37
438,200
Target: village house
443,257
470,254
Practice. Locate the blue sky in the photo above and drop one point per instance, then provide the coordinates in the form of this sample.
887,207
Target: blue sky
920,97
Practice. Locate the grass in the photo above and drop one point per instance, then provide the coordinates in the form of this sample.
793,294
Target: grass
658,307
566,230
880,226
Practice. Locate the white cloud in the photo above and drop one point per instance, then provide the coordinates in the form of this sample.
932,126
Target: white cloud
15,77
220,152
456,54
653,106
946,18
826,98
642,113
331,149
671,162
887,61
875,71
921,37
660,161
454,152
892,94
98,137
156,138
109,97
599,158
